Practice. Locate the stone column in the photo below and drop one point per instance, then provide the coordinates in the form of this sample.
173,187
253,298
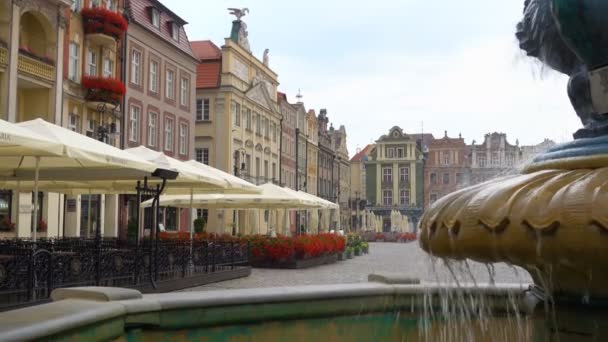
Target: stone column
13,58
72,216
52,214
102,216
24,210
58,110
396,193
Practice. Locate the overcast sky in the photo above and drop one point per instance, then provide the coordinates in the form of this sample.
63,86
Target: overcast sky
454,65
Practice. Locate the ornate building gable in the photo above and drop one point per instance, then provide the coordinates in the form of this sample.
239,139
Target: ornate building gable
259,94
394,134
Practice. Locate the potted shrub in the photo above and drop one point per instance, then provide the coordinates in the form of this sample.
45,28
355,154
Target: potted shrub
199,225
41,226
365,247
132,230
6,225
349,253
357,250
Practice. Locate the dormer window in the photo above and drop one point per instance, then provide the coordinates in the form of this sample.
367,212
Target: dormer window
155,17
175,32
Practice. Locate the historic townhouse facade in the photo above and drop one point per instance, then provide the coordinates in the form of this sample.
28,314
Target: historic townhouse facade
493,158
94,90
357,187
243,131
342,174
312,154
32,54
445,169
288,142
160,77
528,152
394,177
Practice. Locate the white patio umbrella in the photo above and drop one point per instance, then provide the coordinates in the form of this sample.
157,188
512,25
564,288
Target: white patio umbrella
235,184
72,159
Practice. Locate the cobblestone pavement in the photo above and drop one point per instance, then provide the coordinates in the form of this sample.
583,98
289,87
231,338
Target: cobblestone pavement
405,259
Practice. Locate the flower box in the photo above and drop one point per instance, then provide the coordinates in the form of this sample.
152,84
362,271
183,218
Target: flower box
103,89
295,263
101,20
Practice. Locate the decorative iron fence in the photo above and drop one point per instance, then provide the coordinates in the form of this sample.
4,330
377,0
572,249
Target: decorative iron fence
29,270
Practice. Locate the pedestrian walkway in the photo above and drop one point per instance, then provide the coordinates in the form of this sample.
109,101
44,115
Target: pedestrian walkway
407,259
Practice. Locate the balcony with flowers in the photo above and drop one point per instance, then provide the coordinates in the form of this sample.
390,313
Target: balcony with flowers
103,26
103,91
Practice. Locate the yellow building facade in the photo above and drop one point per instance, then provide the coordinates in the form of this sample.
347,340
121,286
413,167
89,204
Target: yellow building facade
238,129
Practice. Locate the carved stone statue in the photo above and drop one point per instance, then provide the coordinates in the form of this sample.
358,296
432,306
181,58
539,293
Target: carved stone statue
265,58
243,40
238,12
541,36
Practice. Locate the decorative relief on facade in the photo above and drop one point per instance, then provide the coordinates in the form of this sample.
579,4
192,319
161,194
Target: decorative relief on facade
240,69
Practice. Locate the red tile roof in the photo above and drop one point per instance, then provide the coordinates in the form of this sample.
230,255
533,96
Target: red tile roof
365,151
139,13
208,74
205,49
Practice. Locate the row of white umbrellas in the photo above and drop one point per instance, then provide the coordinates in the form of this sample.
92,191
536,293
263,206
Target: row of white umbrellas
39,156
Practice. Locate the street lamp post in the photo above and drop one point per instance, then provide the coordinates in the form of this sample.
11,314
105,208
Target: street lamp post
241,151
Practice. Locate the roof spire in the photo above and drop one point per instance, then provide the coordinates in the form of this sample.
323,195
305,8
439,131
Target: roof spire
299,96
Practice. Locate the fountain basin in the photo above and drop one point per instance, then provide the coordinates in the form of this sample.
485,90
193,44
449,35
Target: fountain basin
551,220
350,312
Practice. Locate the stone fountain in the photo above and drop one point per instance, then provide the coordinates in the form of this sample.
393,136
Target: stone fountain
552,218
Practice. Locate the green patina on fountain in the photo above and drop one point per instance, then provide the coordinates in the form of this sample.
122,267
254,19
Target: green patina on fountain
552,219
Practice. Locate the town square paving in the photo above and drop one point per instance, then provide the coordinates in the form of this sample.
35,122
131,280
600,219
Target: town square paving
384,258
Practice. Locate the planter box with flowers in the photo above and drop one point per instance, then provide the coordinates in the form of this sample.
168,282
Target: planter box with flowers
103,89
295,252
99,20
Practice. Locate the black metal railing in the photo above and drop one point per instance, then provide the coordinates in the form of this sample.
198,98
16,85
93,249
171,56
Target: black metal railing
29,270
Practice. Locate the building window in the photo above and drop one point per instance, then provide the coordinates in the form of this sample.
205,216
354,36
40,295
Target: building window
433,198
459,178
433,178
152,123
387,174
446,158
236,113
91,128
74,123
134,121
202,110
156,18
387,197
108,68
495,159
404,197
168,134
258,123
136,67
175,32
183,139
267,132
266,169
202,155
202,214
274,171
183,98
74,59
263,125
400,153
248,118
76,5
91,63
446,179
481,161
170,93
274,132
510,160
404,174
111,5
153,77
257,167
390,152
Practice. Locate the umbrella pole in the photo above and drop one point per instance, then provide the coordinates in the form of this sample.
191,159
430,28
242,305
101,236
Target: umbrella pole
89,216
191,226
36,176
